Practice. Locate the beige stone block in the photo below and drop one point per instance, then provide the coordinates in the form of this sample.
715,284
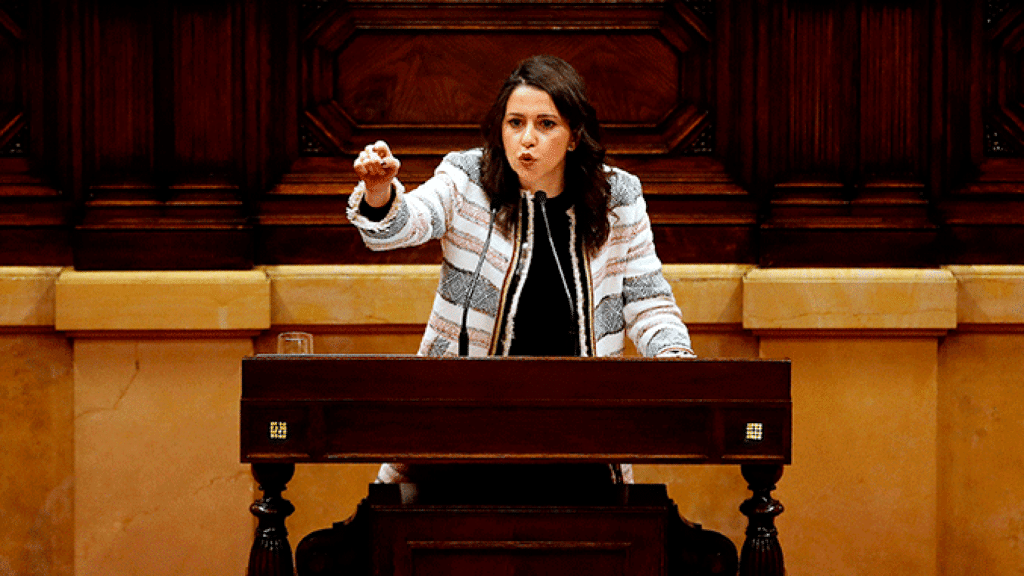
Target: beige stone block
708,293
36,455
990,294
849,299
981,453
189,300
27,295
159,488
352,295
860,495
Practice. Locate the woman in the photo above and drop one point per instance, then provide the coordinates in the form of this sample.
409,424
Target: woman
541,136
561,242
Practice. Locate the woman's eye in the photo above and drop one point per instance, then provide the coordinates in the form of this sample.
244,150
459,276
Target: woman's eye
548,124
515,122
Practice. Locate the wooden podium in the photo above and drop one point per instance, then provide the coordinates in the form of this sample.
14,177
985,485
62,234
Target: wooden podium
346,409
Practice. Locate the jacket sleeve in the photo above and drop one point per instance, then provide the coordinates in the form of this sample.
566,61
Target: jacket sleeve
653,320
415,217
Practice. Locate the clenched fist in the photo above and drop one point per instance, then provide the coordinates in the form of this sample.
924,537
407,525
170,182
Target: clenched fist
376,167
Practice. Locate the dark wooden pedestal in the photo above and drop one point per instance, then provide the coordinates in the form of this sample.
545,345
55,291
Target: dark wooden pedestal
402,529
612,531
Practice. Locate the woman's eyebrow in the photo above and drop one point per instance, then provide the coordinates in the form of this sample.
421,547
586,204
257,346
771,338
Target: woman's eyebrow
541,115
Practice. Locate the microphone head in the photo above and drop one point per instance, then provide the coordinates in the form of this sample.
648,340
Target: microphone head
495,203
541,196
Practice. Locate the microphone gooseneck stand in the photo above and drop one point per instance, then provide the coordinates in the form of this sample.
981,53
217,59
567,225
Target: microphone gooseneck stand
463,330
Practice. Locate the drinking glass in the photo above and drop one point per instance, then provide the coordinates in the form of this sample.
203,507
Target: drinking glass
294,343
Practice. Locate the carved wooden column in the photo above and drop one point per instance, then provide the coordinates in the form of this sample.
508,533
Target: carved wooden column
271,554
761,554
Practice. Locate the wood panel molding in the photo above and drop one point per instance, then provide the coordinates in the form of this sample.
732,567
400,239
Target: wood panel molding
983,211
428,91
34,212
177,137
210,135
846,157
651,68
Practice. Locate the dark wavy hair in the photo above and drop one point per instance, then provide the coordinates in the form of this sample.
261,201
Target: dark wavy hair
585,177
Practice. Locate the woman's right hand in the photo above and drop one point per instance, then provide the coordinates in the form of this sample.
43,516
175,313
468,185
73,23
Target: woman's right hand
376,167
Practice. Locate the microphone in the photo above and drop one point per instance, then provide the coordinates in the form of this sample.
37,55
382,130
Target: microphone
541,197
463,330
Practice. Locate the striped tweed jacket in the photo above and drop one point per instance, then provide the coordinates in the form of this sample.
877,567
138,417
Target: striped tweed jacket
625,289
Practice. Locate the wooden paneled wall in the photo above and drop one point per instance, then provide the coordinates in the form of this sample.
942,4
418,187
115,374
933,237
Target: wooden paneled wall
188,134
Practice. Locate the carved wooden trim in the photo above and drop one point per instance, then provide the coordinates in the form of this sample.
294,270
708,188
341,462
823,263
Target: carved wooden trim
667,134
1004,116
847,150
34,212
982,210
764,131
13,60
426,94
995,10
15,143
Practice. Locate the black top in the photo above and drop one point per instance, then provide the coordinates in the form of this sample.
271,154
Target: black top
545,321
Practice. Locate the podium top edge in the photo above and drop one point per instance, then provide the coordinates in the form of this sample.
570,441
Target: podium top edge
417,358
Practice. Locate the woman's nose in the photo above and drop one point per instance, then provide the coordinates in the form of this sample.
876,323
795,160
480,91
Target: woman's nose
529,137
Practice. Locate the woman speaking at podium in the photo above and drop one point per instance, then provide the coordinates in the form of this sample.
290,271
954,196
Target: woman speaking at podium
547,250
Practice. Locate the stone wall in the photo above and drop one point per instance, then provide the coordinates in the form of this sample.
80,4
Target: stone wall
119,410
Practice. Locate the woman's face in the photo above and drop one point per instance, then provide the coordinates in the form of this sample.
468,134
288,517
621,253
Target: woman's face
536,139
